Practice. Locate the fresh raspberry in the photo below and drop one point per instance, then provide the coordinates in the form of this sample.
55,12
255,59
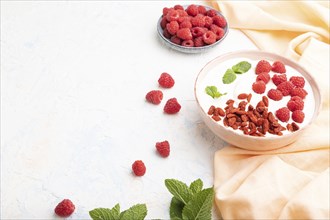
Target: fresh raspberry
279,78
208,21
172,27
298,92
172,15
139,168
180,7
163,148
65,208
166,34
285,88
182,15
275,94
163,22
154,96
283,114
192,10
263,66
298,116
172,106
219,21
264,77
184,34
209,37
197,31
198,42
298,81
259,87
166,10
211,13
198,21
278,67
187,43
174,39
218,31
295,103
166,81
185,24
202,10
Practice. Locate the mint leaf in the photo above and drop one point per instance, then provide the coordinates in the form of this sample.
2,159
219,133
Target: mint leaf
213,92
229,76
105,214
199,207
179,190
176,209
241,67
196,186
136,212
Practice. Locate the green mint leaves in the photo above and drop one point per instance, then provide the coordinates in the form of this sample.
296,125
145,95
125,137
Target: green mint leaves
136,212
229,76
213,92
239,68
191,202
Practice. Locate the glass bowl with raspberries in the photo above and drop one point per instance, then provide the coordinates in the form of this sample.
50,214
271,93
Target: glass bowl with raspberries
257,100
192,28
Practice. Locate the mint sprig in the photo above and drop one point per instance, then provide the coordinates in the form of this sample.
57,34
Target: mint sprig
213,92
241,67
136,212
229,76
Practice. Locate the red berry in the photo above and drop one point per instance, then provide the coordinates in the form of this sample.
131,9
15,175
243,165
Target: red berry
208,21
198,21
285,88
279,78
65,208
198,42
166,10
165,80
283,114
298,81
180,7
263,66
298,116
176,40
182,15
202,10
163,148
184,34
209,37
275,94
172,15
172,106
278,67
264,77
163,22
211,13
172,27
139,168
187,43
166,34
295,103
197,31
259,87
192,10
219,21
218,31
185,24
298,92
154,96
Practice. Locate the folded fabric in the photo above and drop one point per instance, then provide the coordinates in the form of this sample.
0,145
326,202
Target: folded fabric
291,182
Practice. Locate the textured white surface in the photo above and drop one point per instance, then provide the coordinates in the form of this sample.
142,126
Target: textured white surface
73,113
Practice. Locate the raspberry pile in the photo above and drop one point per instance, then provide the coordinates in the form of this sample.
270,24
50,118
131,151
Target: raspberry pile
194,26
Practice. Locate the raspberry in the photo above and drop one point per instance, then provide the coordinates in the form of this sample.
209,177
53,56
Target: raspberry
172,15
264,77
180,7
275,94
182,15
172,106
165,11
154,96
166,34
298,92
285,88
209,37
176,40
259,87
187,43
208,21
185,24
163,148
278,67
197,31
279,78
295,103
139,168
219,21
283,114
165,80
172,27
192,10
202,10
263,66
298,81
298,116
65,208
163,22
198,21
198,42
218,31
184,34
211,13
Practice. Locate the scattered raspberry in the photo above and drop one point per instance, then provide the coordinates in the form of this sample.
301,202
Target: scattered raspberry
172,27
198,42
198,21
298,81
187,43
279,78
202,10
264,77
172,15
209,37
192,10
208,21
263,66
184,34
259,87
219,21
197,31
163,148
283,114
275,94
178,7
65,208
176,40
278,67
285,88
218,31
298,92
139,168
166,81
298,116
172,106
154,97
211,13
185,24
295,103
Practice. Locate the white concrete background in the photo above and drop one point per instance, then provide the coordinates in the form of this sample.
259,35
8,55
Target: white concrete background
73,113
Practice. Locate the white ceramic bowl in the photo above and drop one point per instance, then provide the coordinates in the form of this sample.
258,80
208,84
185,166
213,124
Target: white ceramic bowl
236,137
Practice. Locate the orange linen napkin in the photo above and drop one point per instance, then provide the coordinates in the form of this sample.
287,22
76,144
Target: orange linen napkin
291,182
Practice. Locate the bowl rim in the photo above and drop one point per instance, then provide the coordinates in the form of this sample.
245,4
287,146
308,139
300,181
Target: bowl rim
287,61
